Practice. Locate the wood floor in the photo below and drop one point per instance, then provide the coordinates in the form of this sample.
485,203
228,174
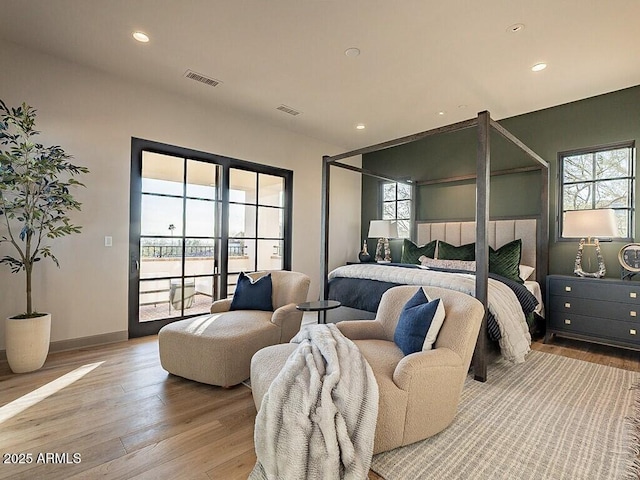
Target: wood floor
121,416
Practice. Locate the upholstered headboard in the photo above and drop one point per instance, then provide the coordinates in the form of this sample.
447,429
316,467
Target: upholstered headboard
500,232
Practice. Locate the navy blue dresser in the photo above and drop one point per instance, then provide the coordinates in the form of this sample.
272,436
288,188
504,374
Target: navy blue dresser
599,310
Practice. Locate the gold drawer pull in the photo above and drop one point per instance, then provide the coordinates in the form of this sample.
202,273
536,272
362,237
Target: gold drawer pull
632,331
567,321
632,294
632,313
567,305
567,289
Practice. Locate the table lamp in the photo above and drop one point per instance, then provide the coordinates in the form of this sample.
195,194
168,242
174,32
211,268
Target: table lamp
383,230
589,224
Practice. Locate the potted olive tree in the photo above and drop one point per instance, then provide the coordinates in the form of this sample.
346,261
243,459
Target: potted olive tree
35,202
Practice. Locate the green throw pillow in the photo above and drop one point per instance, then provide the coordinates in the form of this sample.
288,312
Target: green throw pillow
411,252
446,251
505,261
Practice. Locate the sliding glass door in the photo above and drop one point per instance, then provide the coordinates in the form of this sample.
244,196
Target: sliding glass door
197,221
179,239
256,223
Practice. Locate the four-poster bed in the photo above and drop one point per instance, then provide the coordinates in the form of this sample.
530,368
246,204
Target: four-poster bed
484,124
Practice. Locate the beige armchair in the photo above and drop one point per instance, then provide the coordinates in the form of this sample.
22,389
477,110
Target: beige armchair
217,348
419,393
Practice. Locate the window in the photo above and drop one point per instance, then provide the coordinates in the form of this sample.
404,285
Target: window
257,214
396,205
197,220
599,177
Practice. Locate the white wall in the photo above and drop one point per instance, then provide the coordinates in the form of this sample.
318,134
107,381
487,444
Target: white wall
93,116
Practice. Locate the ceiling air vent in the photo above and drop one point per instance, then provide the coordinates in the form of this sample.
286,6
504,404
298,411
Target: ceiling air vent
289,110
198,77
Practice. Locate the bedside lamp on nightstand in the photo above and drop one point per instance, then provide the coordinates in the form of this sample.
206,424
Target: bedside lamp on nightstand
383,230
589,224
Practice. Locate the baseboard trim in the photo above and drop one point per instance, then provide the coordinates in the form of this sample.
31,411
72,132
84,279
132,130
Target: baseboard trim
82,342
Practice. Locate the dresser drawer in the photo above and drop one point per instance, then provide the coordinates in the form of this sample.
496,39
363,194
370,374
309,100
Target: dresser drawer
605,329
596,289
565,305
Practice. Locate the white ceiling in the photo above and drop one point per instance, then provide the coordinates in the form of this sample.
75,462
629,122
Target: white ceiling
418,57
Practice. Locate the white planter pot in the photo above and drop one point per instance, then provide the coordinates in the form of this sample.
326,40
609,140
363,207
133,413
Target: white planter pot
27,342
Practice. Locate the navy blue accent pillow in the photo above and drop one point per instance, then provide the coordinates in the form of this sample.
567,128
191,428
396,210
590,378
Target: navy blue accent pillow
415,320
253,295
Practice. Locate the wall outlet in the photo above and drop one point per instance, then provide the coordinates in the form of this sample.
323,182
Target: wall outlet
108,241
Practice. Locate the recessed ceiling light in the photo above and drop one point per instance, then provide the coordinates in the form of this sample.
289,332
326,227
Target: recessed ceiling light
461,106
515,28
352,52
538,66
441,112
141,37
360,126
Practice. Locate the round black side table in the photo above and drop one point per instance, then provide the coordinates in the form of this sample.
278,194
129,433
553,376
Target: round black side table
320,306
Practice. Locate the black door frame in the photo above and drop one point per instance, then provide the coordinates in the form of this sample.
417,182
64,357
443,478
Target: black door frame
138,146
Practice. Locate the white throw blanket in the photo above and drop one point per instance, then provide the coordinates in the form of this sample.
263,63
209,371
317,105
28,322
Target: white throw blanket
318,418
515,338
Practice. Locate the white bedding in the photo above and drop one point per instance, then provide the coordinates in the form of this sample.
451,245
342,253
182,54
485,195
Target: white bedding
515,338
534,288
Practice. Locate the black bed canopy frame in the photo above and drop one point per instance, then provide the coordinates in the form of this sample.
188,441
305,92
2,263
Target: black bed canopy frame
483,123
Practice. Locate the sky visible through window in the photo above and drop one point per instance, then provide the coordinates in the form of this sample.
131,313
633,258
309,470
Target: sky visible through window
159,212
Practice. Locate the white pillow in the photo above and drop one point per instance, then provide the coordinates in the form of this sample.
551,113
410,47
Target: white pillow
525,271
470,266
436,324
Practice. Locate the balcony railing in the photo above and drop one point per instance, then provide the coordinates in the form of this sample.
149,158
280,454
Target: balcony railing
236,249
175,251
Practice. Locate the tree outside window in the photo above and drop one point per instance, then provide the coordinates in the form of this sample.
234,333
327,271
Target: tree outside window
599,177
396,205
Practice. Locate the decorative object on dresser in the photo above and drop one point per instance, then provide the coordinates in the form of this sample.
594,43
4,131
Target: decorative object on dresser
602,311
629,258
383,230
364,255
589,224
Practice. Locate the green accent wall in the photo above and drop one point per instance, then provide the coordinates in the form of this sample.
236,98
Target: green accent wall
609,118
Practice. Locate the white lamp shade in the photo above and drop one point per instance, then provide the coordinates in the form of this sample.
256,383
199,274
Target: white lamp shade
589,223
383,229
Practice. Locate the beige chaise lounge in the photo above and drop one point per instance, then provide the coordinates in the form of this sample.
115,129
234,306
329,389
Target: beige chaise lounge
217,348
419,393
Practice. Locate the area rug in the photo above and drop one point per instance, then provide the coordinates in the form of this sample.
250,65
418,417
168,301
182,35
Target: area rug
549,418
